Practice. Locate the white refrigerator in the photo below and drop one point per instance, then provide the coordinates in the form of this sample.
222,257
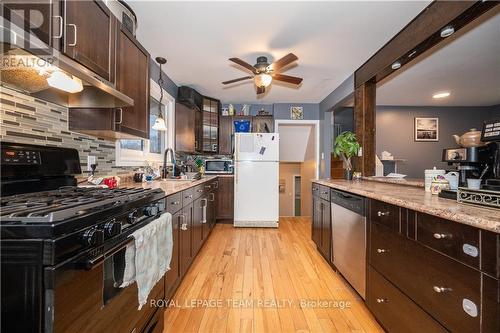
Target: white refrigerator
256,172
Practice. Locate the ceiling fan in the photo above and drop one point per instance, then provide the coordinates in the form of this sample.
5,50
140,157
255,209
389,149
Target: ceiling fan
264,73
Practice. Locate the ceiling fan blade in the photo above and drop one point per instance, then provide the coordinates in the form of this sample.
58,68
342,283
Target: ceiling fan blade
244,64
287,78
288,59
261,90
237,80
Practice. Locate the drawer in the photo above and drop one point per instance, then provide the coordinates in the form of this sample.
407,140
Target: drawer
395,311
384,213
457,240
442,286
324,192
187,196
174,202
198,191
315,189
208,187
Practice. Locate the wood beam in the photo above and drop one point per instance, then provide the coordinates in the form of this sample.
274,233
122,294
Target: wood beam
364,124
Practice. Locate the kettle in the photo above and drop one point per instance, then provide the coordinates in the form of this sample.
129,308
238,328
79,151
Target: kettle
469,139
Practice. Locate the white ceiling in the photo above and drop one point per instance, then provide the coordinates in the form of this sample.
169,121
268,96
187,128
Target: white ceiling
468,67
331,39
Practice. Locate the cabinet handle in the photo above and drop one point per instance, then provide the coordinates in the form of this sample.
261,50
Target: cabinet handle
325,192
60,26
121,116
175,203
379,213
381,300
189,196
382,251
441,236
204,211
440,289
216,184
199,191
315,189
75,33
183,224
212,198
208,186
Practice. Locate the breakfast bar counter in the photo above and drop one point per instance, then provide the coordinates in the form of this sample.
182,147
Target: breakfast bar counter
417,199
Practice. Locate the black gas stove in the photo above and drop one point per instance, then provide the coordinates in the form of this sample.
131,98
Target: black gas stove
52,230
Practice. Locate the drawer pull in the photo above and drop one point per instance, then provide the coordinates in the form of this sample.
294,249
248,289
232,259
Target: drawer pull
441,236
189,196
315,188
381,300
326,192
175,203
441,289
382,251
379,213
199,191
184,227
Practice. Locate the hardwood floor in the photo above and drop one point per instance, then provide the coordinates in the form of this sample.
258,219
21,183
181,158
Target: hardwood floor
239,273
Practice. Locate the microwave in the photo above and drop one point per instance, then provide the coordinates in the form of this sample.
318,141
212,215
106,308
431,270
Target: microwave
218,166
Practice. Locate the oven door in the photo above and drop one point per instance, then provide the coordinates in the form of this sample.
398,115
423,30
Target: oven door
89,299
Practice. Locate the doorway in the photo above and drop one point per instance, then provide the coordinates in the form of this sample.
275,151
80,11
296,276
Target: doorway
297,194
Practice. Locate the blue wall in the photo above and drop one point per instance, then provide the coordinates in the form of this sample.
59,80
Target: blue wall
168,85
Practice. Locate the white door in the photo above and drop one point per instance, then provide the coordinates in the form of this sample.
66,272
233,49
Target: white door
256,192
257,147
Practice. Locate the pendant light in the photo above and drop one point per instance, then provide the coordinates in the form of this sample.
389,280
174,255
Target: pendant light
159,124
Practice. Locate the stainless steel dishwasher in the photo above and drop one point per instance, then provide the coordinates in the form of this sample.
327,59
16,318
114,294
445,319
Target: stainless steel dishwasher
349,238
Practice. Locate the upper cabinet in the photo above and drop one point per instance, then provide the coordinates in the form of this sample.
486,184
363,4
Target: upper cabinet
185,117
210,137
87,38
132,79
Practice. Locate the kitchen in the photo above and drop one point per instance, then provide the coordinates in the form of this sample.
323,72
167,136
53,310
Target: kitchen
105,147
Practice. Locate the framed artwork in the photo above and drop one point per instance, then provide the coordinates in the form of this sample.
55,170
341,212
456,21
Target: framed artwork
426,129
296,112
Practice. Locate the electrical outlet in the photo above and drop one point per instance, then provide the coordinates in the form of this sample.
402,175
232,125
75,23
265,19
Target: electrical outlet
90,160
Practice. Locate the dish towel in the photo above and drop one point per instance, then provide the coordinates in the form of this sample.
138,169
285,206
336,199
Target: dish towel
148,258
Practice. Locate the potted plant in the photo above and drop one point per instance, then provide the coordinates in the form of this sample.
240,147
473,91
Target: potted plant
346,146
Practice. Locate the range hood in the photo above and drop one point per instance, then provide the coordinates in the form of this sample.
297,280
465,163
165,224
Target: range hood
32,70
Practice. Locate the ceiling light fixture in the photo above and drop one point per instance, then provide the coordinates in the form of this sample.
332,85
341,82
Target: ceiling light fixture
396,65
439,95
65,82
263,80
447,31
159,124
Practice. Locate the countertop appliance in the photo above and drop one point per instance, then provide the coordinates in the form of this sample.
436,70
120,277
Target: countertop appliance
218,166
63,247
349,238
256,171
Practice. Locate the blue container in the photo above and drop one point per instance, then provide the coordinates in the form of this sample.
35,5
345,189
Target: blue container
242,126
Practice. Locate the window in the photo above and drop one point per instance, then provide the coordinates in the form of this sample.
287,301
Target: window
132,152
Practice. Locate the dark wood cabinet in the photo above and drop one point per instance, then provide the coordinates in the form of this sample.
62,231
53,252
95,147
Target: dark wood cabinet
172,277
226,135
199,219
321,230
225,199
210,125
132,79
186,253
88,35
185,120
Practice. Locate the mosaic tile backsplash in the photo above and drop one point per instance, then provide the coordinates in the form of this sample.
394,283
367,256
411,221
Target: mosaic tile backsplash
24,119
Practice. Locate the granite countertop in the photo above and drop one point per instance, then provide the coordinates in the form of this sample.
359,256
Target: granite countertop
399,181
169,186
417,199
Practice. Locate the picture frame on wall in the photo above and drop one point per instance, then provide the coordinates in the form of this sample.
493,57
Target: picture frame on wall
426,129
296,112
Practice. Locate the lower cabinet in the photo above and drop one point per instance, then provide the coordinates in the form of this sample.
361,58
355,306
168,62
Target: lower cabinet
321,231
225,199
193,217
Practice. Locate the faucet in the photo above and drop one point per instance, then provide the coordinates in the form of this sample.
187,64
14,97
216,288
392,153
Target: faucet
171,160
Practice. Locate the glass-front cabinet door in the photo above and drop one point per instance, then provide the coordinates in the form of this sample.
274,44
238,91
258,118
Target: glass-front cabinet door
210,125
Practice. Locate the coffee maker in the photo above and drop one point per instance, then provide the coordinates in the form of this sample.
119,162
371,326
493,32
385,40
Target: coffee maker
491,133
471,162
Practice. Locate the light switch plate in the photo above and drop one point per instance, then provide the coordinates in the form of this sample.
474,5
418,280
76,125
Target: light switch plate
90,160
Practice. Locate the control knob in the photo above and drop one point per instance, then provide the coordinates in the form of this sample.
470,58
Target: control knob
132,217
112,228
93,237
151,210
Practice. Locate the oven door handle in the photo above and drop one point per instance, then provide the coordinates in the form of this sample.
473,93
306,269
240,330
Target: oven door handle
88,264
